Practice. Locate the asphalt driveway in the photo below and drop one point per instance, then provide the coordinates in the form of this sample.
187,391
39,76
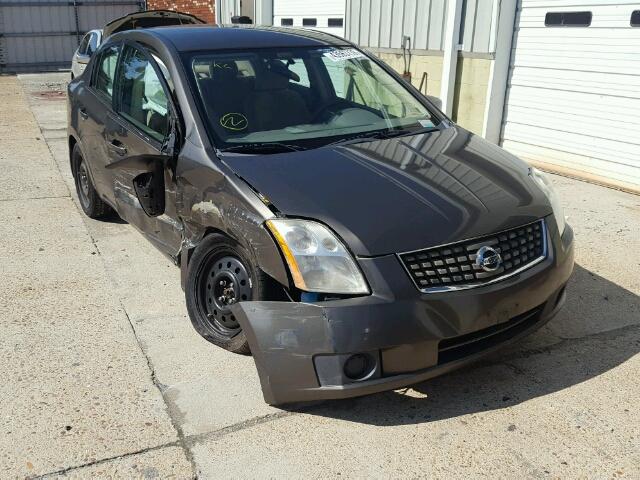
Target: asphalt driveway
103,374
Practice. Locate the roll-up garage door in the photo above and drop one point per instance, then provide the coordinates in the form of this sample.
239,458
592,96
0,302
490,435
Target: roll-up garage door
43,34
573,101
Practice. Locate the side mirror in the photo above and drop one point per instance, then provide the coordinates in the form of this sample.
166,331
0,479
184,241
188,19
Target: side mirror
436,101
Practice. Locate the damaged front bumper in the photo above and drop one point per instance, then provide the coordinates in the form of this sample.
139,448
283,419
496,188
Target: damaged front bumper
301,350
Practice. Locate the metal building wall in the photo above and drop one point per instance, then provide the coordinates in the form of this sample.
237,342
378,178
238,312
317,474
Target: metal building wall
382,24
43,34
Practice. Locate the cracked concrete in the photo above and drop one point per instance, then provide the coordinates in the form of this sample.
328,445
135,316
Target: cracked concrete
95,337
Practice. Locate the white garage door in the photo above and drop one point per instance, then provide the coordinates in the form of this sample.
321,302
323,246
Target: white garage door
327,15
574,92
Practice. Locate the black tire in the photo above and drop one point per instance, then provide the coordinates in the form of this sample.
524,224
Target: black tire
91,203
219,259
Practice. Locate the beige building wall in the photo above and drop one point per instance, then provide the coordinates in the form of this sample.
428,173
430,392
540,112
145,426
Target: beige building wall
431,64
470,96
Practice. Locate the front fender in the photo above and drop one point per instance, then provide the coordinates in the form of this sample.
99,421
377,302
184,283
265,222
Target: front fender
210,201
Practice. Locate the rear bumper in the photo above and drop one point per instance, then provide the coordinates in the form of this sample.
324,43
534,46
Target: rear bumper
300,348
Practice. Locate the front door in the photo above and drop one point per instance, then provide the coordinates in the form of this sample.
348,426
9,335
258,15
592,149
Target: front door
137,134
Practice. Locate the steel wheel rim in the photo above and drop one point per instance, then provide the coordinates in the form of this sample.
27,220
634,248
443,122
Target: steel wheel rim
83,183
225,281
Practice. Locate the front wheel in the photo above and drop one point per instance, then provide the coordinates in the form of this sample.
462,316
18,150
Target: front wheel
219,276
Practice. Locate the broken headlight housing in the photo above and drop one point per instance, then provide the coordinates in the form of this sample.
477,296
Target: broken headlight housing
547,187
317,259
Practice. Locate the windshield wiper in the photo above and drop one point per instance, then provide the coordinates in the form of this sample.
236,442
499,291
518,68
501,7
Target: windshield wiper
379,135
270,147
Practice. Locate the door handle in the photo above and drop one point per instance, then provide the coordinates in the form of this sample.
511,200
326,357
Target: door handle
83,113
117,147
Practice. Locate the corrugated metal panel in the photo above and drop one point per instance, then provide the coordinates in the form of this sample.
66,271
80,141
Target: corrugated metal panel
574,92
475,34
42,34
383,23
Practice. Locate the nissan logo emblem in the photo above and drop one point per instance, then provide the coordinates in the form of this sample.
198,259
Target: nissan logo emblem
488,259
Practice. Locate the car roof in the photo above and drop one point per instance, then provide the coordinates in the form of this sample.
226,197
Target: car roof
226,37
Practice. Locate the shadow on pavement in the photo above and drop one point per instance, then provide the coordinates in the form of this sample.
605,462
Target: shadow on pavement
113,217
599,329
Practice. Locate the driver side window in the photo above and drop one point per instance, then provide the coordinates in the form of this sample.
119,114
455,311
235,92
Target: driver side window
143,100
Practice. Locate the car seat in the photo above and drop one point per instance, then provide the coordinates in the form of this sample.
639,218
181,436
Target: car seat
273,105
222,93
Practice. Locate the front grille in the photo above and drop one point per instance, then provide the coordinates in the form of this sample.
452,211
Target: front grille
454,266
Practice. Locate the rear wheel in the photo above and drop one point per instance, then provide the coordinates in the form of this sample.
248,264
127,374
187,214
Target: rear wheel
219,276
91,203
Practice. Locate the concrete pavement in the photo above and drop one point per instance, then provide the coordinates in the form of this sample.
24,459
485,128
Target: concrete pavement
104,375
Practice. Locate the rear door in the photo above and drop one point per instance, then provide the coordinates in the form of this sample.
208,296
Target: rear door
137,134
95,104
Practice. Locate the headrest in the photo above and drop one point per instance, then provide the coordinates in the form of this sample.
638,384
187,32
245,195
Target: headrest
221,71
275,76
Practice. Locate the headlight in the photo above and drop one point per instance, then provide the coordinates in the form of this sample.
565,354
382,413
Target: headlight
318,261
547,187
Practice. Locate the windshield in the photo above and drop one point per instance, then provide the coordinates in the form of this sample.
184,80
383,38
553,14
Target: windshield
301,98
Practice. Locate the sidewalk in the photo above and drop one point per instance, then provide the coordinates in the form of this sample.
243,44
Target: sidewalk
76,387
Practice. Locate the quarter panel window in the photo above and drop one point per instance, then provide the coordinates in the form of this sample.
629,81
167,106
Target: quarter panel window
143,100
106,70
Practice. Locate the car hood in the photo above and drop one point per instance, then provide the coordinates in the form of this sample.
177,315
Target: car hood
403,194
149,19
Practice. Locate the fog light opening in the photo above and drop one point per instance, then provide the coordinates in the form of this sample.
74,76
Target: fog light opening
359,366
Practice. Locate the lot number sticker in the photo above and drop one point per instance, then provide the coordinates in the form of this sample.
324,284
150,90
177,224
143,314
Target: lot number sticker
339,55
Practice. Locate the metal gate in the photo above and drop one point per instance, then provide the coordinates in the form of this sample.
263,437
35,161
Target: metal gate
43,34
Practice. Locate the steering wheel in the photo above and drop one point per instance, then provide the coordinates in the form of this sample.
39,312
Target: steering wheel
324,109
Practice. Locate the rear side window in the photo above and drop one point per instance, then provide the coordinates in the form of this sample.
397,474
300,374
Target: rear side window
143,101
106,71
635,18
567,19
